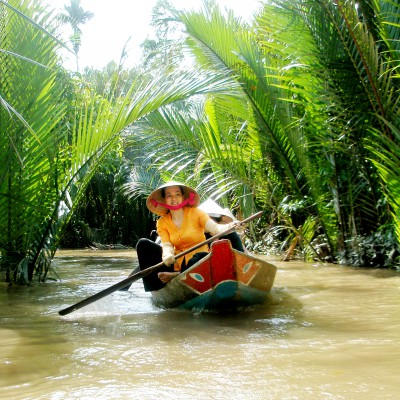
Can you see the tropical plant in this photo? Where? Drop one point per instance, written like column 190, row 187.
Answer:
column 34, row 145
column 75, row 16
column 164, row 49
column 105, row 217
column 56, row 132
column 236, row 147
column 348, row 90
column 319, row 100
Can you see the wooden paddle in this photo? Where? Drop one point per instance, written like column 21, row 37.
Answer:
column 126, row 288
column 132, row 278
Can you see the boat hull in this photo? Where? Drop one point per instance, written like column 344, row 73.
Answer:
column 224, row 279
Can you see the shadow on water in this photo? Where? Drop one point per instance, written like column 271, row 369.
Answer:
column 275, row 318
column 130, row 313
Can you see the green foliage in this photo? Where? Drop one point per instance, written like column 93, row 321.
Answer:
column 57, row 131
column 378, row 250
column 32, row 159
column 105, row 215
column 315, row 101
column 75, row 16
column 297, row 114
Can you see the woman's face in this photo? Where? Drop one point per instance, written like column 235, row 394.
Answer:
column 173, row 195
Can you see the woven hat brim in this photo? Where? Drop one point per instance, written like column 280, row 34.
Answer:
column 157, row 196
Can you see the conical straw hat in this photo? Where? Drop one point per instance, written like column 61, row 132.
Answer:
column 156, row 197
column 215, row 210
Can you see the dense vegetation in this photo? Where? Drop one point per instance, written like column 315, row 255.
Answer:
column 297, row 115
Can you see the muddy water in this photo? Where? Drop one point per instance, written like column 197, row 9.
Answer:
column 326, row 332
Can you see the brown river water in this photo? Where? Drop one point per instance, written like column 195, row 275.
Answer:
column 326, row 332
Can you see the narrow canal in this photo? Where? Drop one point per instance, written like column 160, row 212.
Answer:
column 326, row 332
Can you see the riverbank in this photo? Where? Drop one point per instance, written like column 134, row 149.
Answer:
column 128, row 252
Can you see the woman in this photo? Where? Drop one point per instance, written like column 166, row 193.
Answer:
column 182, row 225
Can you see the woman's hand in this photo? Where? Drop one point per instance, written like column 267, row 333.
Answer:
column 168, row 256
column 239, row 227
column 168, row 259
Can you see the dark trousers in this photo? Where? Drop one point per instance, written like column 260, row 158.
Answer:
column 150, row 253
column 235, row 240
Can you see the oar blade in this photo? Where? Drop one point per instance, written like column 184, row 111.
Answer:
column 119, row 285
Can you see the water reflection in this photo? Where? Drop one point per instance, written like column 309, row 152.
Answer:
column 325, row 332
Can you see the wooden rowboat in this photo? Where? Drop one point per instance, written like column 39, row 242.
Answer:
column 224, row 279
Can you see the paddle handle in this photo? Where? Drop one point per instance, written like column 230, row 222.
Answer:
column 147, row 271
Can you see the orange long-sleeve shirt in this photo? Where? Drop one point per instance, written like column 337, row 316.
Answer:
column 188, row 235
